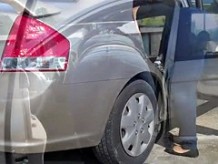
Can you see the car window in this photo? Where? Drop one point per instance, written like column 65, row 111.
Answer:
column 210, row 5
column 207, row 5
column 205, row 27
column 201, row 35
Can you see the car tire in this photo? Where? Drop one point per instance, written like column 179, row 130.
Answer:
column 131, row 129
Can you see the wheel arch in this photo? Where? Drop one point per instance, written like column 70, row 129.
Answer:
column 150, row 78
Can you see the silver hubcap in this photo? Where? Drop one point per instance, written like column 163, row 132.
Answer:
column 137, row 124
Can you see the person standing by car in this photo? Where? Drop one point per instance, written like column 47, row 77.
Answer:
column 182, row 84
column 186, row 73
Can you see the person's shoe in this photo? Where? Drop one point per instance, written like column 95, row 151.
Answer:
column 183, row 150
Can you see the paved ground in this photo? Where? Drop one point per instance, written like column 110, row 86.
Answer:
column 208, row 148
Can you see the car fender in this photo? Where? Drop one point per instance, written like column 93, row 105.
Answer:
column 108, row 62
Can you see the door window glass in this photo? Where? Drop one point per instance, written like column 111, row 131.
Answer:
column 210, row 5
column 205, row 27
column 201, row 35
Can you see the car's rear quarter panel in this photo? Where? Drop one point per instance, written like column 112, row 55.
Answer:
column 72, row 106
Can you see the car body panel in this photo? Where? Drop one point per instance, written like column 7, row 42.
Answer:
column 56, row 102
column 65, row 110
column 68, row 96
column 36, row 8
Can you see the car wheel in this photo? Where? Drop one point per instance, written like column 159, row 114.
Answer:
column 131, row 129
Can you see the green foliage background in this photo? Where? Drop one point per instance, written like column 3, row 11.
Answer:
column 152, row 22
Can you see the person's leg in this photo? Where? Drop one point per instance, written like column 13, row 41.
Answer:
column 183, row 103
